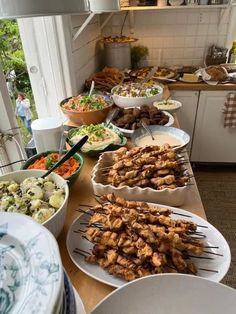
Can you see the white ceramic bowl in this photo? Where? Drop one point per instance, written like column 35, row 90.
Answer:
column 173, row 197
column 56, row 222
column 170, row 132
column 172, row 105
column 129, row 102
column 129, row 133
column 169, row 293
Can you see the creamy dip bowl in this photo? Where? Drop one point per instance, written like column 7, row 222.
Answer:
column 162, row 135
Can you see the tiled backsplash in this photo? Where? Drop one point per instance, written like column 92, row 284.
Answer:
column 174, row 37
column 85, row 49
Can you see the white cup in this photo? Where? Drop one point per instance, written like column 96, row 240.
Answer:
column 47, row 133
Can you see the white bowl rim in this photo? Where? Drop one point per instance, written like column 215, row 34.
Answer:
column 164, row 129
column 65, row 186
column 137, row 98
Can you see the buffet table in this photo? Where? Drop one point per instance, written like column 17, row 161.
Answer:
column 81, row 192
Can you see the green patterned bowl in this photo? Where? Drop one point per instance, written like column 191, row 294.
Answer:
column 71, row 179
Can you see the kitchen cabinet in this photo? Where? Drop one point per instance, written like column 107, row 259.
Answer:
column 212, row 142
column 187, row 114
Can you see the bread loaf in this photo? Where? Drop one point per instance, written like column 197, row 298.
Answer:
column 217, row 73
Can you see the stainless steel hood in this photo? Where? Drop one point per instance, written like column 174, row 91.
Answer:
column 32, row 8
column 100, row 6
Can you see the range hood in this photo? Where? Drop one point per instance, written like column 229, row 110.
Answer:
column 100, row 6
column 32, row 8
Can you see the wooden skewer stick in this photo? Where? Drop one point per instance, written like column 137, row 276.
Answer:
column 184, row 215
column 210, row 270
column 202, row 226
column 79, row 231
column 213, row 253
column 84, row 212
column 201, row 257
column 79, row 253
column 198, row 237
column 80, row 250
column 211, row 247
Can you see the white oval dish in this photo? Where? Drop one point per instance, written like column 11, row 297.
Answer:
column 128, row 133
column 56, row 222
column 169, row 293
column 173, row 197
column 31, row 269
column 131, row 102
column 171, row 106
column 213, row 238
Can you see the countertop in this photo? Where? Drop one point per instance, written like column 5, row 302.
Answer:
column 200, row 86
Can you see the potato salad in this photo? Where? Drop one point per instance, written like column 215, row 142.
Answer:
column 36, row 197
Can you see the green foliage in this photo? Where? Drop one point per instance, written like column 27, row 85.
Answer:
column 12, row 56
column 137, row 53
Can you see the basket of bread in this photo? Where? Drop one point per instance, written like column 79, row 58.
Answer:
column 106, row 79
column 216, row 73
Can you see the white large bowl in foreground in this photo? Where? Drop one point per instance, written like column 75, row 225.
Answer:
column 56, row 222
column 169, row 293
column 129, row 102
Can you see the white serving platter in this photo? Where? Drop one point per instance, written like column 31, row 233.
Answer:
column 169, row 293
column 213, row 239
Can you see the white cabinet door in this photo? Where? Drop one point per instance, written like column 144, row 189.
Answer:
column 187, row 114
column 212, row 142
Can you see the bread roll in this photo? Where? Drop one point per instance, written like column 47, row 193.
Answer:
column 217, row 73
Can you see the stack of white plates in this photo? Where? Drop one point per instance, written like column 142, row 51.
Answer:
column 32, row 279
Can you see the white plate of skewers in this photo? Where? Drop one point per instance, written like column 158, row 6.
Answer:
column 213, row 263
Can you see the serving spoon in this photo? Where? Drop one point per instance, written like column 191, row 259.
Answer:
column 70, row 153
column 145, row 126
column 91, row 88
column 112, row 114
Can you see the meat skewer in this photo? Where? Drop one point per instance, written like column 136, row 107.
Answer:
column 132, row 239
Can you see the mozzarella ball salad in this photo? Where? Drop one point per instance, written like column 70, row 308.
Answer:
column 86, row 103
column 136, row 90
column 36, row 197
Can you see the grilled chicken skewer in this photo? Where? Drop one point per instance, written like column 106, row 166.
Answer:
column 132, row 239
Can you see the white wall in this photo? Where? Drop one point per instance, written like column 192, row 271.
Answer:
column 86, row 49
column 182, row 37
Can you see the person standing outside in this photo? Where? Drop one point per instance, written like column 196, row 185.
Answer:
column 23, row 111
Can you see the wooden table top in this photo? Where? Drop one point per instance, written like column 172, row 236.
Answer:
column 90, row 290
column 81, row 192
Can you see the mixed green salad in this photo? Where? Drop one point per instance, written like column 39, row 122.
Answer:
column 136, row 90
column 86, row 103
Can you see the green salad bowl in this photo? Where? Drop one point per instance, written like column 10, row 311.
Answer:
column 71, row 179
column 102, row 148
